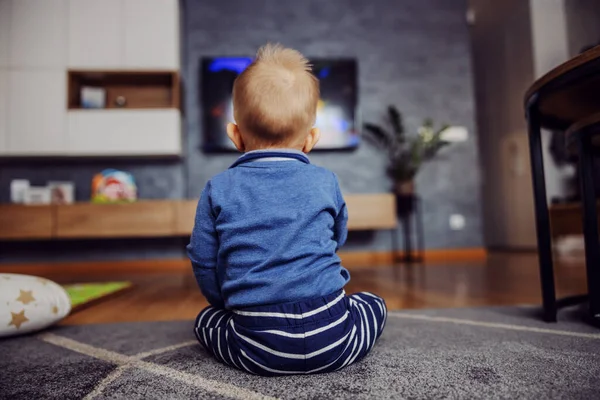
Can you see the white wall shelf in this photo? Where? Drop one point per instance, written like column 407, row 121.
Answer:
column 36, row 113
column 124, row 132
column 3, row 112
column 151, row 28
column 38, row 34
column 5, row 6
column 96, row 25
column 50, row 48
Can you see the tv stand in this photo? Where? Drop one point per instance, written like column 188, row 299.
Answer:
column 153, row 218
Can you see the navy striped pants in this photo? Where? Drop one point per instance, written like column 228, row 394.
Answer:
column 321, row 335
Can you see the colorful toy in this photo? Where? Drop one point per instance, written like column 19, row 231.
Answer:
column 112, row 186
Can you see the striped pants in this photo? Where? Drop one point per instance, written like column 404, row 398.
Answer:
column 321, row 335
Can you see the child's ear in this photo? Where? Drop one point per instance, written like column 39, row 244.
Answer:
column 311, row 140
column 235, row 136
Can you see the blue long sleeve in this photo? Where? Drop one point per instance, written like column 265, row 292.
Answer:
column 267, row 232
column 203, row 249
column 340, row 228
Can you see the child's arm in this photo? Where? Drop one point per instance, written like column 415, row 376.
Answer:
column 203, row 248
column 340, row 229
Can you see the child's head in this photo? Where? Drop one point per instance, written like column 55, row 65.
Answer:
column 275, row 102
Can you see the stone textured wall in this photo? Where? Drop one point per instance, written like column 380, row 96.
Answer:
column 414, row 54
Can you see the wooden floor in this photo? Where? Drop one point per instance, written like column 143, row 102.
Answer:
column 166, row 290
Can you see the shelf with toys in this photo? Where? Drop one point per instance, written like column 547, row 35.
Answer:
column 151, row 218
column 115, row 212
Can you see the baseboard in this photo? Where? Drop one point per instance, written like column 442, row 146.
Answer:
column 436, row 256
column 99, row 267
column 349, row 259
column 513, row 249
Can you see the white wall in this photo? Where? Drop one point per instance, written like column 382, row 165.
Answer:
column 514, row 43
column 583, row 24
column 550, row 49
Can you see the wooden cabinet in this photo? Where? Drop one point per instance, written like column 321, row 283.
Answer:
column 36, row 119
column 95, row 34
column 185, row 214
column 151, row 34
column 153, row 218
column 141, row 219
column 38, row 33
column 124, row 132
column 371, row 211
column 25, row 222
column 5, row 6
column 3, row 112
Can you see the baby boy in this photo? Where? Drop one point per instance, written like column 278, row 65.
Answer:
column 265, row 237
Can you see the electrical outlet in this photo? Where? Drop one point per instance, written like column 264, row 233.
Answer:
column 457, row 222
column 455, row 134
column 470, row 16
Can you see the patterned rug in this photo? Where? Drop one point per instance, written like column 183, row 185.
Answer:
column 453, row 353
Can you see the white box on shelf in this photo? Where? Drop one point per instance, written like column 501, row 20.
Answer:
column 93, row 97
column 18, row 190
column 62, row 192
column 37, row 195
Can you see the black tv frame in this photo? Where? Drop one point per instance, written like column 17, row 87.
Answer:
column 208, row 149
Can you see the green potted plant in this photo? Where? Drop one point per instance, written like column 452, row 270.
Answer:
column 405, row 154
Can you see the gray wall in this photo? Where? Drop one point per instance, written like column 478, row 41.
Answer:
column 414, row 54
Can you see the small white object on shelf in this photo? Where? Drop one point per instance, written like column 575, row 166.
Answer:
column 61, row 192
column 18, row 189
column 455, row 134
column 93, row 97
column 38, row 195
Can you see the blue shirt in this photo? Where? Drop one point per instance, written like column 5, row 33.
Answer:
column 267, row 230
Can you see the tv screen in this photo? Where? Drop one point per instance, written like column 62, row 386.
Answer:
column 336, row 112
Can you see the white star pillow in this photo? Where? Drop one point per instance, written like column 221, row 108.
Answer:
column 29, row 303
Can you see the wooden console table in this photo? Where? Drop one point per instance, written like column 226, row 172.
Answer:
column 566, row 97
column 153, row 218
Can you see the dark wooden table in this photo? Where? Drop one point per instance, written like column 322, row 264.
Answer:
column 567, row 99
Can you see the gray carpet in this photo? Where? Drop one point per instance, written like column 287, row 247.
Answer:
column 427, row 354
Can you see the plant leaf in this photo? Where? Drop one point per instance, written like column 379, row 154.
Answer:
column 432, row 150
column 396, row 122
column 378, row 135
column 442, row 129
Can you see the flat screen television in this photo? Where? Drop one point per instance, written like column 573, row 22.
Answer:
column 336, row 113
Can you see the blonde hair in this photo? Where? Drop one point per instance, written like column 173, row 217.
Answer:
column 276, row 97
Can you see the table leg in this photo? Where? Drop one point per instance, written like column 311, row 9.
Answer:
column 394, row 234
column 590, row 223
column 420, row 234
column 407, row 234
column 541, row 214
